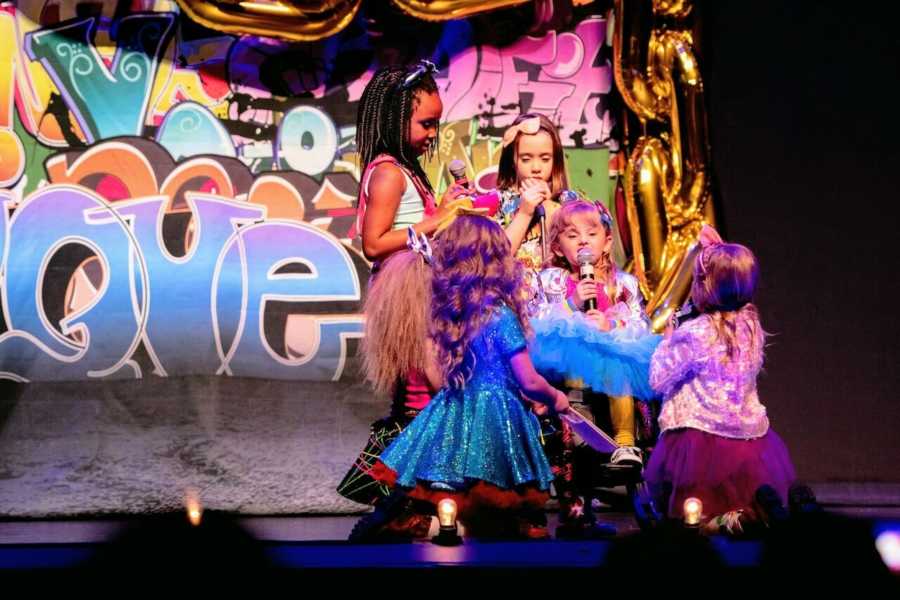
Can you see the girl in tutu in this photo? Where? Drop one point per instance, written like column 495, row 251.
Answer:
column 591, row 334
column 716, row 444
column 476, row 441
column 593, row 329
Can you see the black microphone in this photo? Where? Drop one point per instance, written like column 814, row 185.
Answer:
column 687, row 312
column 542, row 215
column 586, row 260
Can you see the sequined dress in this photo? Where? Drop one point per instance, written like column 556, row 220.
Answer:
column 480, row 440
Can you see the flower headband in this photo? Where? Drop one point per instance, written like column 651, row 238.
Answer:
column 529, row 126
column 709, row 239
column 424, row 66
column 418, row 243
column 567, row 196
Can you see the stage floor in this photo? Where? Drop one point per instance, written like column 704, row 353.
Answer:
column 315, row 543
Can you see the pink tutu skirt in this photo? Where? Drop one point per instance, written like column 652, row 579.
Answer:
column 724, row 473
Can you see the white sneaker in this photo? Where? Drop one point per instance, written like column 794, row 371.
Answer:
column 625, row 455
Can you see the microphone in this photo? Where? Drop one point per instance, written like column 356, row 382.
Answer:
column 687, row 312
column 542, row 215
column 489, row 201
column 457, row 168
column 586, row 260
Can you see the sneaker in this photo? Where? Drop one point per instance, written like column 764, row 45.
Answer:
column 770, row 504
column 585, row 530
column 802, row 500
column 627, row 455
column 369, row 526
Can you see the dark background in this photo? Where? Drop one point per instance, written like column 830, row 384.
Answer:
column 802, row 102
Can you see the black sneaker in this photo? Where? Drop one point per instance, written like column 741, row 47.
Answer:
column 771, row 505
column 369, row 526
column 802, row 500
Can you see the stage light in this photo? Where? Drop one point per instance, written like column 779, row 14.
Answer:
column 888, row 545
column 447, row 534
column 693, row 508
column 193, row 507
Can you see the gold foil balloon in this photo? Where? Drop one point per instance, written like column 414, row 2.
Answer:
column 672, row 8
column 310, row 20
column 666, row 182
column 444, row 10
column 295, row 20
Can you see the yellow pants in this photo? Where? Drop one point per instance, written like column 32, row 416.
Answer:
column 621, row 413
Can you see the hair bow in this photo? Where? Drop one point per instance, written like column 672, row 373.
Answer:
column 567, row 196
column 529, row 126
column 709, row 238
column 424, row 66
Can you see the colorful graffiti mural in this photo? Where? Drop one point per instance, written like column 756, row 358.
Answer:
column 179, row 201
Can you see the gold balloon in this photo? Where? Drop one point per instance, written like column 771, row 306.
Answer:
column 444, row 10
column 666, row 183
column 310, row 20
column 294, row 20
column 673, row 8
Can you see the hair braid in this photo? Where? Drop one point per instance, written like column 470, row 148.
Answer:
column 383, row 118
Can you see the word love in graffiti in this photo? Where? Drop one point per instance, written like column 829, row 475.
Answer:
column 199, row 313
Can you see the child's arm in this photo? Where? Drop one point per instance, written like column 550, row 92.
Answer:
column 386, row 186
column 532, row 195
column 534, row 385
column 672, row 361
column 432, row 373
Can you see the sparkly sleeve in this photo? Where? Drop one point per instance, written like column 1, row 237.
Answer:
column 508, row 336
column 672, row 362
column 634, row 319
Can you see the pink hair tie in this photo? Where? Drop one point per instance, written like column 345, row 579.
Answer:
column 529, row 126
column 709, row 238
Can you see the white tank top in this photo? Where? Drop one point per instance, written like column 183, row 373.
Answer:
column 412, row 207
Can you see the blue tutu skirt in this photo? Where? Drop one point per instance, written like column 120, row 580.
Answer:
column 571, row 347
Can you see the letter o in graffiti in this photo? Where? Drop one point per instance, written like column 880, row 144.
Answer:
column 307, row 140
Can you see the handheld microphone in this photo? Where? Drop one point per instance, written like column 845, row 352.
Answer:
column 489, row 201
column 542, row 215
column 457, row 168
column 586, row 260
column 687, row 312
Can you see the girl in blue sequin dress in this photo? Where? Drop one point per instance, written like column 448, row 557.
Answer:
column 476, row 441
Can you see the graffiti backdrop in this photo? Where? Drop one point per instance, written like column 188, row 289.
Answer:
column 179, row 201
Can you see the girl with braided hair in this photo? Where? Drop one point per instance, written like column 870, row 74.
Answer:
column 397, row 122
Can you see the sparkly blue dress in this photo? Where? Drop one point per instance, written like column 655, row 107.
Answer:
column 481, row 433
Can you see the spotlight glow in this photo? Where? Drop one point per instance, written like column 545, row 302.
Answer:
column 888, row 545
column 693, row 508
column 446, row 510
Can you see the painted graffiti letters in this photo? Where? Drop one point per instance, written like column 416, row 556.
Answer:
column 182, row 201
column 177, row 306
